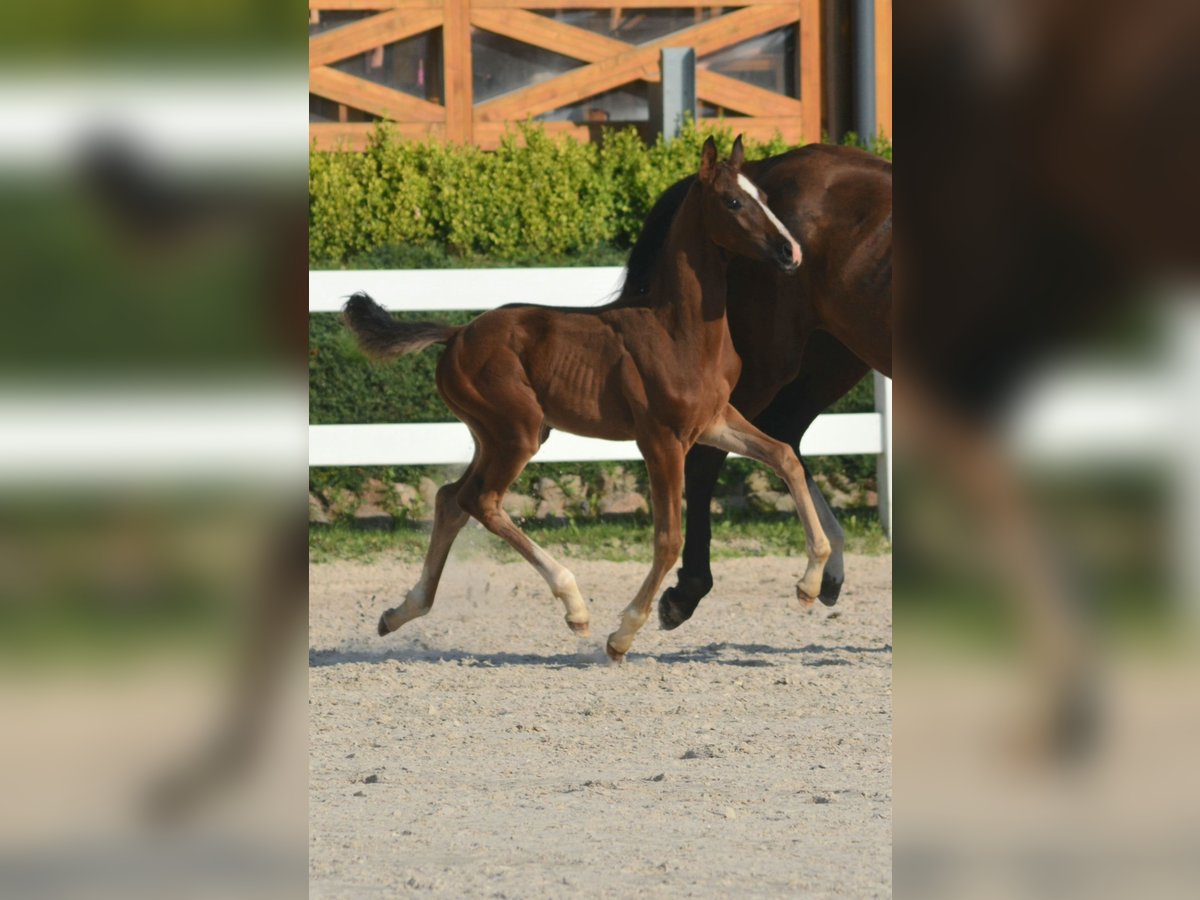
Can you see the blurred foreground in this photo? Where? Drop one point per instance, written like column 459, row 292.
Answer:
column 152, row 436
column 1046, row 570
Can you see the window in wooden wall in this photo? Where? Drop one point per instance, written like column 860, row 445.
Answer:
column 766, row 61
column 412, row 65
column 634, row 26
column 321, row 109
column 500, row 64
column 628, row 103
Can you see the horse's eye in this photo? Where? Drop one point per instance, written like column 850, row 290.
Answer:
column 734, row 203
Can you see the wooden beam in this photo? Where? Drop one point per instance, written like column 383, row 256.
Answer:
column 351, row 5
column 456, row 58
column 634, row 64
column 729, row 93
column 763, row 128
column 488, row 134
column 611, row 4
column 530, row 28
column 371, row 97
column 367, row 34
column 356, row 135
column 810, row 68
column 883, row 67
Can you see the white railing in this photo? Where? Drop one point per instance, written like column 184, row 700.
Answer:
column 479, row 289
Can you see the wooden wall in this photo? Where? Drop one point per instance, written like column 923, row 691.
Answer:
column 883, row 67
column 609, row 63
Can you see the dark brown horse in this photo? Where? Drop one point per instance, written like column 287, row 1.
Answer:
column 804, row 341
column 660, row 373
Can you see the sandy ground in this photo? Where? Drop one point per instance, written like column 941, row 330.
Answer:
column 484, row 751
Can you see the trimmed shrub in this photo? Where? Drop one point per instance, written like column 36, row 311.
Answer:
column 533, row 198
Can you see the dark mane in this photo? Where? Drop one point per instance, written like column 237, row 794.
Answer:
column 643, row 258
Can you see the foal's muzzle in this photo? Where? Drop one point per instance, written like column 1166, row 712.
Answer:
column 787, row 254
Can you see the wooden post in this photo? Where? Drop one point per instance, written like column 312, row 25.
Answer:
column 810, row 69
column 883, row 67
column 456, row 55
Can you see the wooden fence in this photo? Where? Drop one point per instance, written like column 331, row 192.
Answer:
column 343, row 31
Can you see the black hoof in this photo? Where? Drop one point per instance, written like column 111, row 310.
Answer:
column 674, row 609
column 383, row 629
column 831, row 588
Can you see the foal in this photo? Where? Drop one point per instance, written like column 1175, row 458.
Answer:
column 660, row 374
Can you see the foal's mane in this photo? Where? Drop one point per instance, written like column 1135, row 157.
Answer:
column 647, row 250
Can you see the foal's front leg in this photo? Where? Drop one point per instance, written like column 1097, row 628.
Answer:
column 664, row 463
column 730, row 431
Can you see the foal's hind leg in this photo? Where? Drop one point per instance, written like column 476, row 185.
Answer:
column 448, row 520
column 481, row 496
column 732, row 432
column 664, row 464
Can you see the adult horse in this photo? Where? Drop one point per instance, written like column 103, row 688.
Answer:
column 660, row 373
column 804, row 341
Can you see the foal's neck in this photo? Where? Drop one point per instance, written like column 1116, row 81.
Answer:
column 691, row 279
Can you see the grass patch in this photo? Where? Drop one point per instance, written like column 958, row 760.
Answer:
column 609, row 540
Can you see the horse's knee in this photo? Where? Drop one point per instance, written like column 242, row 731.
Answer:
column 447, row 498
column 668, row 544
column 788, row 463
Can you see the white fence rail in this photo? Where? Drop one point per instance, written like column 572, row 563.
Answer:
column 450, row 442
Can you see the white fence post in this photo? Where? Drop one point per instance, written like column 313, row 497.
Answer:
column 883, row 467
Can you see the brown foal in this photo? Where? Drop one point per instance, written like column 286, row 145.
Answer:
column 660, row 374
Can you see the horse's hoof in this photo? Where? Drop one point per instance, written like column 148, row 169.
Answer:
column 612, row 652
column 831, row 589
column 806, row 602
column 581, row 629
column 383, row 626
column 673, row 612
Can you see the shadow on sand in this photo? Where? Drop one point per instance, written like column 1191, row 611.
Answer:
column 746, row 655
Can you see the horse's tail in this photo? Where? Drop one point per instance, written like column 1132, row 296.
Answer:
column 382, row 337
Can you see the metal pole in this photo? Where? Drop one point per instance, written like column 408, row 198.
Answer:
column 677, row 96
column 864, row 69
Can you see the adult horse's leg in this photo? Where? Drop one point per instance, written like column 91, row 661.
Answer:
column 733, row 433
column 448, row 520
column 701, row 468
column 828, row 372
column 664, row 465
column 499, row 465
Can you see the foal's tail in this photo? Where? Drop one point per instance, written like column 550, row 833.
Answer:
column 381, row 336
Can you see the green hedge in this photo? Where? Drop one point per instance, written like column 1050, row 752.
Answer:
column 535, row 199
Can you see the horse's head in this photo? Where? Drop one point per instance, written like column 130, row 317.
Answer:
column 736, row 215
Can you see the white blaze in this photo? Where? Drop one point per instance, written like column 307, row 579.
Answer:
column 750, row 188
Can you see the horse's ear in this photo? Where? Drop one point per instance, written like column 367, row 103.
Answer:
column 708, row 160
column 737, row 156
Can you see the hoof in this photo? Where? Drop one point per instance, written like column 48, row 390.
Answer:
column 383, row 626
column 612, row 652
column 806, row 602
column 673, row 610
column 831, row 589
column 581, row 629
